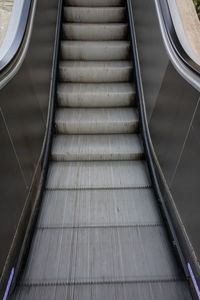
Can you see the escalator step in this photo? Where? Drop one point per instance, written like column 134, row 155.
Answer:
column 160, row 290
column 96, row 94
column 95, row 71
column 97, row 147
column 95, row 50
column 100, row 255
column 94, row 32
column 96, row 120
column 94, row 14
column 94, row 3
column 113, row 207
column 98, row 175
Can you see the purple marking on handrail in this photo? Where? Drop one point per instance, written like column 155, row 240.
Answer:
column 194, row 280
column 8, row 285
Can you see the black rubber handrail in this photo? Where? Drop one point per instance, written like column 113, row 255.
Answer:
column 147, row 141
column 169, row 26
column 15, row 46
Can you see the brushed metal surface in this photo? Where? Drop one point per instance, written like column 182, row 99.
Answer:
column 95, row 71
column 100, row 255
column 96, row 94
column 95, row 50
column 90, row 208
column 97, row 174
column 96, row 120
column 94, row 14
column 97, row 147
column 95, row 32
column 177, row 290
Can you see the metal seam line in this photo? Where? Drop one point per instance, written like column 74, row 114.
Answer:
column 183, row 147
column 22, row 173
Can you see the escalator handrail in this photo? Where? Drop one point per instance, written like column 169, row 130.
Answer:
column 178, row 48
column 13, row 49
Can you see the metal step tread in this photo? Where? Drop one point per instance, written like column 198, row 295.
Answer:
column 112, row 207
column 160, row 290
column 95, row 71
column 94, row 14
column 95, row 3
column 94, row 32
column 98, row 175
column 117, row 254
column 97, row 147
column 96, row 94
column 95, row 50
column 96, row 120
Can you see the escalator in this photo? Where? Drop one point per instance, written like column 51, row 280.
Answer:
column 100, row 233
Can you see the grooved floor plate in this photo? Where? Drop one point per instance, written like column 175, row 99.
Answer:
column 177, row 290
column 86, row 255
column 94, row 14
column 118, row 207
column 96, row 121
column 96, row 94
column 95, row 71
column 95, row 32
column 97, row 174
column 97, row 147
column 90, row 50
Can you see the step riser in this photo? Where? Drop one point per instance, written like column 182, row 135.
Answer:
column 98, row 100
column 86, row 157
column 96, row 128
column 94, row 32
column 94, row 51
column 94, row 175
column 101, row 147
column 94, row 15
column 95, row 75
column 90, row 3
column 95, row 95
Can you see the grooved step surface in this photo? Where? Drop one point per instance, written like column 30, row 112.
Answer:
column 96, row 121
column 95, row 50
column 95, row 94
column 94, row 32
column 94, row 14
column 93, row 71
column 97, row 174
column 94, row 3
column 167, row 290
column 97, row 147
column 85, row 255
column 113, row 207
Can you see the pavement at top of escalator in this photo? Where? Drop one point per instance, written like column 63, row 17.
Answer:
column 5, row 12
